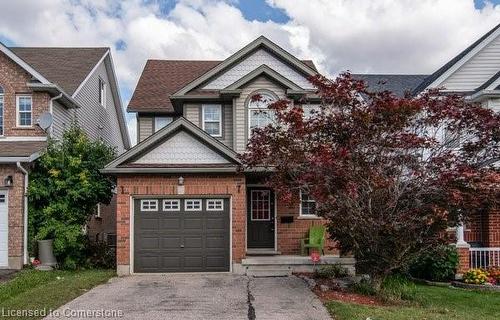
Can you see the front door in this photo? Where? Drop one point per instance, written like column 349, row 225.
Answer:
column 260, row 221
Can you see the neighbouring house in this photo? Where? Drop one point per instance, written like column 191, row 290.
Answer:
column 475, row 74
column 71, row 84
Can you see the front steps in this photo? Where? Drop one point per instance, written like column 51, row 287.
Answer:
column 283, row 266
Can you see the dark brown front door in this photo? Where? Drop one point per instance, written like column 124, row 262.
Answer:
column 260, row 221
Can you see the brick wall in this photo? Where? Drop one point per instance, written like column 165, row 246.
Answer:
column 13, row 79
column 289, row 234
column 99, row 227
column 16, row 218
column 157, row 184
column 484, row 229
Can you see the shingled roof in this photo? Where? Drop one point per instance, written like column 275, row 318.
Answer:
column 21, row 148
column 398, row 84
column 66, row 67
column 161, row 78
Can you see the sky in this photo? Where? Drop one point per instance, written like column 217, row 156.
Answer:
column 364, row 36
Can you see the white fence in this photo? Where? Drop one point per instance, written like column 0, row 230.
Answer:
column 484, row 257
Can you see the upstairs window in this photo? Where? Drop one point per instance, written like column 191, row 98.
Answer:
column 212, row 119
column 307, row 204
column 258, row 114
column 1, row 110
column 161, row 122
column 23, row 110
column 102, row 92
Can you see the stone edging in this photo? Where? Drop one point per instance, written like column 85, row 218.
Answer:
column 481, row 287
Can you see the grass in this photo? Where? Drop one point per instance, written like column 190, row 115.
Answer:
column 430, row 303
column 42, row 290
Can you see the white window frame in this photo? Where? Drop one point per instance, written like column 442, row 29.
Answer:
column 217, row 203
column 268, row 205
column 252, row 108
column 102, row 92
column 301, row 214
column 203, row 121
column 193, row 209
column 172, row 201
column 18, row 113
column 149, row 201
column 2, row 113
column 167, row 119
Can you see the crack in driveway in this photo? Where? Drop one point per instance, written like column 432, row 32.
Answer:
column 250, row 299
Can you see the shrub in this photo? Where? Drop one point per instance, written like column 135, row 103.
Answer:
column 476, row 276
column 364, row 287
column 331, row 271
column 397, row 288
column 494, row 275
column 100, row 255
column 438, row 264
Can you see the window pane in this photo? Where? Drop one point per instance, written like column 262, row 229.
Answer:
column 24, row 118
column 260, row 119
column 24, row 104
column 161, row 122
column 212, row 128
column 212, row 113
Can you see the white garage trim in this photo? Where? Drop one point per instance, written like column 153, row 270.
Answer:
column 4, row 260
column 203, row 197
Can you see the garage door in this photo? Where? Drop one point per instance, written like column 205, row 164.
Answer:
column 181, row 235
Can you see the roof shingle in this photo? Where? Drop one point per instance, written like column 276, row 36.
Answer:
column 66, row 67
column 398, row 84
column 20, row 148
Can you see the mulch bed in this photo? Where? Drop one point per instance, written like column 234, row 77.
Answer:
column 338, row 294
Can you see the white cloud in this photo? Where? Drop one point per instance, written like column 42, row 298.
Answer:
column 359, row 35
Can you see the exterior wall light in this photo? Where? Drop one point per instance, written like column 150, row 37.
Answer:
column 8, row 181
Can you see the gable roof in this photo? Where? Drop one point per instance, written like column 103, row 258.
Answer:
column 398, row 84
column 161, row 79
column 122, row 163
column 436, row 75
column 65, row 67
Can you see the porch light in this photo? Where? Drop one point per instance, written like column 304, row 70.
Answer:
column 181, row 181
column 8, row 181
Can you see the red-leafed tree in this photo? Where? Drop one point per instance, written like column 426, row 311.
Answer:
column 389, row 174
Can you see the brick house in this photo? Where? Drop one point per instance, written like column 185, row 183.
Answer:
column 71, row 84
column 183, row 205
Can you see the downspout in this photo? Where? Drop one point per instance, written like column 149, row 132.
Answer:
column 25, row 226
column 51, row 110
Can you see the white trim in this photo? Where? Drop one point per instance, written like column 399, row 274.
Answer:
column 39, row 138
column 231, row 234
column 269, row 205
column 302, row 215
column 220, row 118
column 90, row 73
column 6, row 193
column 23, row 64
column 177, row 201
column 18, row 112
column 98, row 211
column 436, row 83
column 150, row 201
column 193, row 209
column 215, row 205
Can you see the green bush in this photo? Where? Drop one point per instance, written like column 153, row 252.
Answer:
column 438, row 264
column 65, row 187
column 364, row 287
column 331, row 271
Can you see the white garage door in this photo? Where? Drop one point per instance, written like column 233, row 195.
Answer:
column 4, row 229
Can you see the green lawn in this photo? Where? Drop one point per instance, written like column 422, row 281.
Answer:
column 37, row 290
column 433, row 303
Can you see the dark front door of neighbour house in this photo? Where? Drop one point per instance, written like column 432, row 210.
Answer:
column 260, row 218
column 181, row 234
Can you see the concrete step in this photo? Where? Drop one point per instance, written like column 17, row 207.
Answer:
column 268, row 271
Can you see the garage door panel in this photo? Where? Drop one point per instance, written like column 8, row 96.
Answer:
column 181, row 241
column 193, row 242
column 170, row 242
column 170, row 223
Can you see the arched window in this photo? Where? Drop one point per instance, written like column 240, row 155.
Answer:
column 1, row 110
column 258, row 115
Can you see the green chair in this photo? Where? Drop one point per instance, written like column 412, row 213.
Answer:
column 316, row 240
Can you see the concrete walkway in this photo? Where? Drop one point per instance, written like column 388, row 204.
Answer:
column 198, row 296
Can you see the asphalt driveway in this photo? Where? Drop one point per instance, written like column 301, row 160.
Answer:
column 203, row 296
